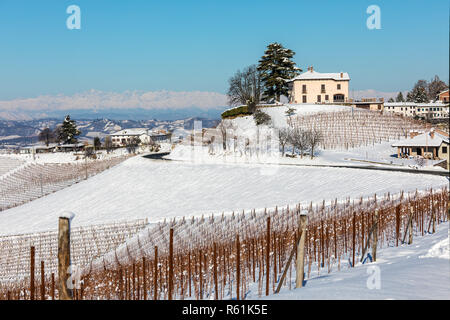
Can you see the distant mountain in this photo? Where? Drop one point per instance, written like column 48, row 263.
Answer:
column 24, row 132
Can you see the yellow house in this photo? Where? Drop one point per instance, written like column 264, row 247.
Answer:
column 316, row 87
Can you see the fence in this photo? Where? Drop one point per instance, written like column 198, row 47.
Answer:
column 350, row 129
column 223, row 256
column 37, row 180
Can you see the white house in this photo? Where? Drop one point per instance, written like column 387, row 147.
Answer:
column 433, row 110
column 123, row 137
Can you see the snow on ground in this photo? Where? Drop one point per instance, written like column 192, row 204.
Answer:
column 407, row 272
column 63, row 157
column 155, row 189
column 379, row 154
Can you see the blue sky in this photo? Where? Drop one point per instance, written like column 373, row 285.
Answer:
column 198, row 45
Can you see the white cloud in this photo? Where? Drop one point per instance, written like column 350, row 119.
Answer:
column 98, row 100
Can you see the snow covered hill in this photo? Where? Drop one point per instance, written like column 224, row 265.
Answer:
column 144, row 188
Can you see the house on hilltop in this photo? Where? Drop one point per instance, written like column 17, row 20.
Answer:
column 316, row 87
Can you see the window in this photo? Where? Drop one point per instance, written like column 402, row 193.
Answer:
column 304, row 88
column 319, row 98
column 444, row 149
column 339, row 87
column 304, row 99
column 326, row 97
column 322, row 88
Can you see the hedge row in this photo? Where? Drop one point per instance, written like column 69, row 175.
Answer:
column 238, row 111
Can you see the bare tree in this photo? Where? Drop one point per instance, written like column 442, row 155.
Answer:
column 314, row 138
column 283, row 137
column 108, row 144
column 224, row 127
column 245, row 88
column 47, row 136
column 299, row 139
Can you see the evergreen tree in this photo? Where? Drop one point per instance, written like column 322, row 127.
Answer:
column 419, row 94
column 276, row 68
column 68, row 131
column 391, row 100
column 400, row 97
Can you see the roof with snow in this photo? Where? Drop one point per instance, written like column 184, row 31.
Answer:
column 415, row 104
column 131, row 132
column 314, row 75
column 422, row 140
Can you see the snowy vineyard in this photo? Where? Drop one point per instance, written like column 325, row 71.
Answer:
column 86, row 243
column 30, row 181
column 351, row 129
column 233, row 256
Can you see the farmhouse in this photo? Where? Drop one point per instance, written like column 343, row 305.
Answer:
column 316, row 87
column 123, row 137
column 431, row 145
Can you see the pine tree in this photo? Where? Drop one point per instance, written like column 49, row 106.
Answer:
column 419, row 94
column 400, row 97
column 391, row 100
column 276, row 68
column 68, row 131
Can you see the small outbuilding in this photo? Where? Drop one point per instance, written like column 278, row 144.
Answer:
column 429, row 145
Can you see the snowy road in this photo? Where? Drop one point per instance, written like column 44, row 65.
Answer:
column 142, row 188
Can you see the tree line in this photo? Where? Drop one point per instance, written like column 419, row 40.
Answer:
column 423, row 91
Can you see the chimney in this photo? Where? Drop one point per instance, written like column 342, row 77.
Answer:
column 342, row 74
column 413, row 134
column 432, row 133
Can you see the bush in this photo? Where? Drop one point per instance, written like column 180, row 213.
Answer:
column 238, row 111
column 261, row 117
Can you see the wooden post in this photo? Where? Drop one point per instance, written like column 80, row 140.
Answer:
column 155, row 276
column 354, row 239
column 397, row 224
column 42, row 281
column 53, row 286
column 32, row 265
column 216, row 285
column 64, row 257
column 171, row 264
column 300, row 263
column 121, row 289
column 144, row 278
column 375, row 236
column 238, row 267
column 268, row 256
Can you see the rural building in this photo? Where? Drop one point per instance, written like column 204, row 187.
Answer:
column 430, row 145
column 316, row 87
column 432, row 111
column 443, row 97
column 123, row 137
column 372, row 104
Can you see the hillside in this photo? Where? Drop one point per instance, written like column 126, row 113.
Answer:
column 26, row 132
column 155, row 189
